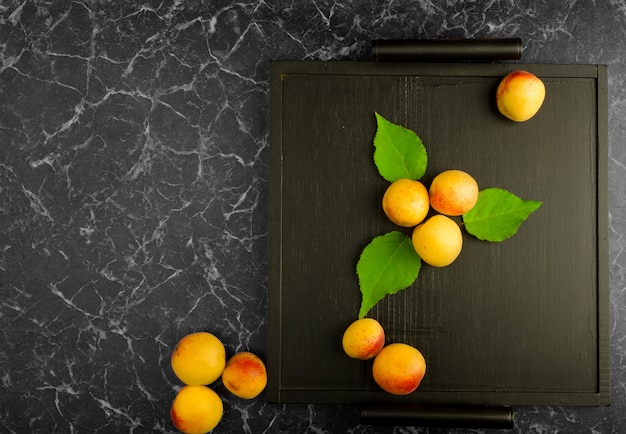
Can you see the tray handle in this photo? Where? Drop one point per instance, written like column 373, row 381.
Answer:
column 478, row 417
column 447, row 50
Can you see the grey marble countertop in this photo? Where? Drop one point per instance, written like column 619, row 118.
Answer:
column 134, row 163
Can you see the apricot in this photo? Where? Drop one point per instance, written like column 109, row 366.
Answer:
column 405, row 202
column 520, row 95
column 453, row 192
column 438, row 241
column 363, row 339
column 245, row 375
column 399, row 368
column 198, row 359
column 196, row 410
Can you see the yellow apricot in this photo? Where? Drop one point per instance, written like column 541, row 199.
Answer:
column 196, row 410
column 199, row 358
column 453, row 192
column 438, row 241
column 399, row 368
column 363, row 339
column 405, row 202
column 245, row 375
column 520, row 95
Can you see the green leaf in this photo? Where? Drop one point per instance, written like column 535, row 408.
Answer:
column 387, row 265
column 497, row 215
column 399, row 152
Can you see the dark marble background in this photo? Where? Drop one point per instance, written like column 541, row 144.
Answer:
column 134, row 160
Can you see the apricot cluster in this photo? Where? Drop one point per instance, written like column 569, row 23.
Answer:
column 437, row 240
column 199, row 360
column 398, row 368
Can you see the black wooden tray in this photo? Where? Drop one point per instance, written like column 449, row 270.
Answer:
column 522, row 322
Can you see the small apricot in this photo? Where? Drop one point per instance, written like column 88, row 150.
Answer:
column 438, row 241
column 245, row 375
column 399, row 368
column 405, row 202
column 453, row 192
column 198, row 359
column 196, row 410
column 363, row 339
column 520, row 95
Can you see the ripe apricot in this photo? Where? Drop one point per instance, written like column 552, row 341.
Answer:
column 363, row 339
column 245, row 375
column 399, row 368
column 196, row 410
column 438, row 241
column 199, row 358
column 453, row 192
column 520, row 95
column 405, row 202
